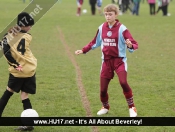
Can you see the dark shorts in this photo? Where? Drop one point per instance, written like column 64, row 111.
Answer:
column 27, row 85
column 112, row 65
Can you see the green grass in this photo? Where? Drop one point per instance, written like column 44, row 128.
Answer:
column 150, row 69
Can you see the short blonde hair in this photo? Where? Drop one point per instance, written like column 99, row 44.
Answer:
column 111, row 7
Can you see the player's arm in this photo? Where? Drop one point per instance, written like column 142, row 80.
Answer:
column 130, row 42
column 9, row 57
column 96, row 42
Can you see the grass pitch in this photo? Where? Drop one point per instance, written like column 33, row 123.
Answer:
column 55, row 38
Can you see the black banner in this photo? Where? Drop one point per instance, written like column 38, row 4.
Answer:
column 87, row 121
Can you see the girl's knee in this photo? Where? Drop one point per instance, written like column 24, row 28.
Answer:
column 10, row 90
column 24, row 95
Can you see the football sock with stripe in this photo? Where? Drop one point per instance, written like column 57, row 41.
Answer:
column 129, row 98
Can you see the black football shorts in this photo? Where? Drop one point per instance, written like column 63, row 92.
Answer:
column 27, row 84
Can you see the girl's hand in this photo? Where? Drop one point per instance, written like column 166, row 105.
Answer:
column 19, row 68
column 77, row 52
column 128, row 43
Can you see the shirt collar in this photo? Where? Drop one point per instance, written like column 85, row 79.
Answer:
column 23, row 31
column 116, row 23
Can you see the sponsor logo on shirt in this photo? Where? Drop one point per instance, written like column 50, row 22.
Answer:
column 109, row 42
column 109, row 33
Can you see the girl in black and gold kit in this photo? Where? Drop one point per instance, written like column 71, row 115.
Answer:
column 22, row 63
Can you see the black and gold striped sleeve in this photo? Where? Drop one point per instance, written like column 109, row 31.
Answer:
column 7, row 54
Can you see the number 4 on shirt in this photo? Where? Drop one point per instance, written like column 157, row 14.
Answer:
column 21, row 46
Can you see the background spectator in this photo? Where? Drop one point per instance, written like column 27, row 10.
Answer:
column 92, row 4
column 165, row 7
column 152, row 6
column 99, row 4
column 79, row 5
column 159, row 3
column 136, row 7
